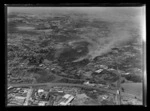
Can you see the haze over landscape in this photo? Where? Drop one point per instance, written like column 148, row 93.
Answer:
column 90, row 47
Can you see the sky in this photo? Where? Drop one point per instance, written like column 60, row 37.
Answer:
column 108, row 13
column 130, row 11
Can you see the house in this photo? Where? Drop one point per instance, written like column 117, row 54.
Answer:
column 18, row 89
column 60, row 91
column 41, row 65
column 42, row 95
column 118, row 92
column 86, row 82
column 98, row 71
column 89, row 84
column 19, row 99
column 17, row 102
column 126, row 73
column 40, row 90
column 9, row 87
column 104, row 67
column 66, row 99
column 53, row 69
column 88, row 74
column 42, row 103
column 105, row 97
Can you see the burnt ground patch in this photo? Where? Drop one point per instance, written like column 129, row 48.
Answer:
column 72, row 53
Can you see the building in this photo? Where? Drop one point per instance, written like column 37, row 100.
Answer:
column 81, row 96
column 60, row 91
column 20, row 94
column 41, row 65
column 42, row 103
column 40, row 90
column 98, row 71
column 66, row 99
column 118, row 92
column 104, row 67
column 20, row 97
column 89, row 84
column 41, row 94
column 103, row 97
column 18, row 100
column 9, row 87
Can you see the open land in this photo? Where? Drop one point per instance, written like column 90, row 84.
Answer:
column 73, row 58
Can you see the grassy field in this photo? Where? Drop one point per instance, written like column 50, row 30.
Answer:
column 133, row 88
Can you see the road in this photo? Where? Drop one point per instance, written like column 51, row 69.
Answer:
column 75, row 85
column 65, row 84
column 28, row 96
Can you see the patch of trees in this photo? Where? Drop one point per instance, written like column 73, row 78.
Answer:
column 106, row 102
column 13, row 48
column 45, row 78
column 35, row 60
column 44, row 43
column 11, row 55
column 64, row 80
column 38, row 71
column 133, row 77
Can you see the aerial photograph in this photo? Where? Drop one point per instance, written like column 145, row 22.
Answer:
column 74, row 56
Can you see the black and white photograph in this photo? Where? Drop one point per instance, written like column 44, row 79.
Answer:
column 75, row 56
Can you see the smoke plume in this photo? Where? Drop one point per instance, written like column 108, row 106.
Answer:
column 119, row 34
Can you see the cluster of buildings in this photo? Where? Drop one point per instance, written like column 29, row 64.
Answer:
column 52, row 96
column 17, row 95
column 44, row 96
column 66, row 99
column 130, row 101
column 39, row 96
